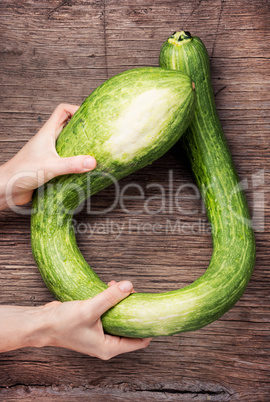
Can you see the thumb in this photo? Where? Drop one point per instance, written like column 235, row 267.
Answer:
column 74, row 164
column 109, row 297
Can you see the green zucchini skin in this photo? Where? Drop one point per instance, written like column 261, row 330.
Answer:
column 126, row 123
column 234, row 249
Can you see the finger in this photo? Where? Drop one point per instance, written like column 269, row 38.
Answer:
column 109, row 297
column 73, row 164
column 115, row 345
column 59, row 117
column 113, row 282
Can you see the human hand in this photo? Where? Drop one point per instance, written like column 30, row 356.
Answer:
column 38, row 162
column 74, row 325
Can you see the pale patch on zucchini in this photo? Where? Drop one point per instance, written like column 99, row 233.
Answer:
column 140, row 123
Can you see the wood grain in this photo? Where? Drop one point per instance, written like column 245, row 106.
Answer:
column 54, row 51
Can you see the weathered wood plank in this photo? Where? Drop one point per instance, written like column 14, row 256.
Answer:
column 62, row 50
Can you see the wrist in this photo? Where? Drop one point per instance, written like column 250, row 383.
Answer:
column 23, row 327
column 38, row 327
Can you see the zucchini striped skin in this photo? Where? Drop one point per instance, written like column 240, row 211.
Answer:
column 233, row 256
column 127, row 123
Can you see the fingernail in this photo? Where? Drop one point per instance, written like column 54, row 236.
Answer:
column 89, row 162
column 125, row 286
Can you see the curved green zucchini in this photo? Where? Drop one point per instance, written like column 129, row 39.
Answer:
column 127, row 123
column 234, row 250
column 67, row 274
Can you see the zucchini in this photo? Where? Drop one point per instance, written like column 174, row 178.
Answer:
column 233, row 258
column 126, row 123
column 60, row 262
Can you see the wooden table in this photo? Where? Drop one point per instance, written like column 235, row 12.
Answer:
column 55, row 51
